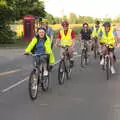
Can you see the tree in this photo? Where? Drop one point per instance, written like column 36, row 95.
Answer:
column 50, row 18
column 6, row 16
column 24, row 7
column 73, row 18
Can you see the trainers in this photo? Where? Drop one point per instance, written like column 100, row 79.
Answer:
column 45, row 73
column 102, row 61
column 34, row 87
column 113, row 70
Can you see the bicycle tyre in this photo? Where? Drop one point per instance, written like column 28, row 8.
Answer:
column 68, row 70
column 95, row 52
column 86, row 57
column 82, row 58
column 107, row 68
column 45, row 83
column 61, row 72
column 33, row 93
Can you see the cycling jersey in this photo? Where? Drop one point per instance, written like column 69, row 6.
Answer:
column 86, row 35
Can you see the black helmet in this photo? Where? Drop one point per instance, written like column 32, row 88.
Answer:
column 106, row 24
column 97, row 22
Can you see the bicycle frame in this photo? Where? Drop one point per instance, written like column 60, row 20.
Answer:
column 39, row 66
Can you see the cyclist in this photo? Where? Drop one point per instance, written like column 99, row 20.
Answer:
column 85, row 36
column 95, row 33
column 66, row 36
column 108, row 36
column 41, row 44
column 49, row 30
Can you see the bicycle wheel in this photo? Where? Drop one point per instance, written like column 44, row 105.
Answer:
column 107, row 68
column 61, row 72
column 95, row 52
column 86, row 57
column 45, row 82
column 82, row 59
column 33, row 84
column 68, row 69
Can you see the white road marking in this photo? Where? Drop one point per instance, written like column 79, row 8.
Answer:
column 14, row 85
column 10, row 72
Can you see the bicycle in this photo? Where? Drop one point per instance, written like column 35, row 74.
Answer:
column 37, row 78
column 84, row 56
column 107, row 62
column 64, row 66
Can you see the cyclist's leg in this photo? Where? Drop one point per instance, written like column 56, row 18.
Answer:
column 44, row 60
column 111, row 52
column 89, row 46
column 93, row 44
column 71, row 50
column 98, row 46
column 82, row 44
column 61, row 52
column 102, row 53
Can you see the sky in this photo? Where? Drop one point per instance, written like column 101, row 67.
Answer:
column 94, row 8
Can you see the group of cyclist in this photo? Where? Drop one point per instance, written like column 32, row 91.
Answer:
column 43, row 41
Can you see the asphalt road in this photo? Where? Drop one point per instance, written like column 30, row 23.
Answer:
column 87, row 96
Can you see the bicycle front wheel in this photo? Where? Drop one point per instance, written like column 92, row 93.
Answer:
column 61, row 73
column 33, row 84
column 95, row 52
column 45, row 82
column 108, row 68
column 68, row 69
column 82, row 58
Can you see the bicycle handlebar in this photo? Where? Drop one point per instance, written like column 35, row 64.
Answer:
column 35, row 54
column 64, row 46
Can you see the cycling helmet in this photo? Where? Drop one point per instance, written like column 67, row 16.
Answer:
column 41, row 28
column 106, row 24
column 64, row 23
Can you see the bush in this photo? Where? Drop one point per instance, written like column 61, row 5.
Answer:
column 7, row 36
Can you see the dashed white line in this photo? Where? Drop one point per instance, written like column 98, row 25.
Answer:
column 14, row 85
column 10, row 72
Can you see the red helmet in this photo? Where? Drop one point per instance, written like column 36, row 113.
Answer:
column 65, row 23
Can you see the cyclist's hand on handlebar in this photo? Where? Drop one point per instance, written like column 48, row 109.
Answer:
column 108, row 45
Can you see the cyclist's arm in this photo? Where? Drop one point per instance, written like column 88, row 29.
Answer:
column 115, row 35
column 114, row 42
column 48, row 46
column 58, row 39
column 80, row 35
column 51, row 33
column 31, row 45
